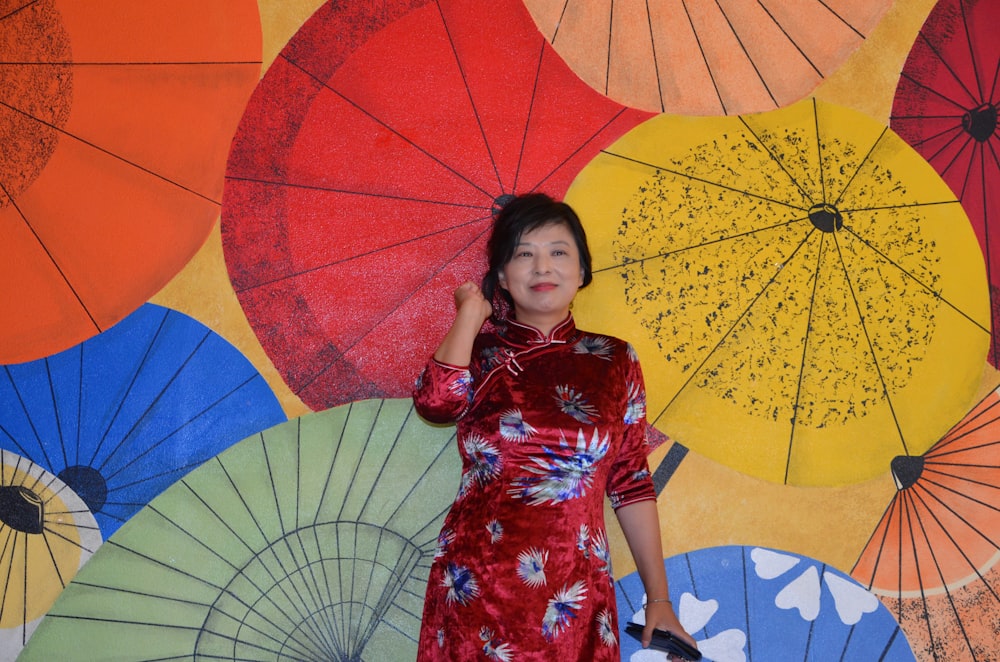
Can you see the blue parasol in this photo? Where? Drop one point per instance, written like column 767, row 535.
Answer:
column 750, row 603
column 123, row 415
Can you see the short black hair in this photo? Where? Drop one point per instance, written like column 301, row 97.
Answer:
column 519, row 215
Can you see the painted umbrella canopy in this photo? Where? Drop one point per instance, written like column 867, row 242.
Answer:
column 753, row 603
column 806, row 294
column 946, row 108
column 365, row 171
column 123, row 415
column 116, row 118
column 933, row 556
column 309, row 541
column 47, row 535
column 706, row 57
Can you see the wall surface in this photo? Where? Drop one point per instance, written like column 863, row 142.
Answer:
column 229, row 232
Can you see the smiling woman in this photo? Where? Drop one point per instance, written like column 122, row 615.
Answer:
column 549, row 419
column 543, row 276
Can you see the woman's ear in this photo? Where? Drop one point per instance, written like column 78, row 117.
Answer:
column 502, row 279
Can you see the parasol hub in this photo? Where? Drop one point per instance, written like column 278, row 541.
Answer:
column 826, row 218
column 980, row 122
column 88, row 483
column 500, row 202
column 21, row 509
column 906, row 470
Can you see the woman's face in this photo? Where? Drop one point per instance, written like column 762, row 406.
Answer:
column 543, row 276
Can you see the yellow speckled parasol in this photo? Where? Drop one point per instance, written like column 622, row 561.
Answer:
column 806, row 294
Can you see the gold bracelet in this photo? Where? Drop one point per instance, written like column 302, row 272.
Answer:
column 649, row 602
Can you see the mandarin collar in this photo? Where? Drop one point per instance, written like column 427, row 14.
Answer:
column 522, row 334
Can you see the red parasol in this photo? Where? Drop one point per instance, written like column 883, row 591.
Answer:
column 946, row 108
column 364, row 172
column 116, row 119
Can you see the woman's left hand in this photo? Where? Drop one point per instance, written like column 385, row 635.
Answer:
column 660, row 615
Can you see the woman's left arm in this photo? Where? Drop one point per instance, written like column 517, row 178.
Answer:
column 640, row 523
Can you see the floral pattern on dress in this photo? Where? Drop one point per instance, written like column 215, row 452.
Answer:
column 487, row 463
column 531, row 566
column 602, row 551
column 606, row 628
column 523, row 565
column 445, row 538
column 513, row 428
column 635, row 410
column 495, row 529
column 558, row 477
column 461, row 584
column 562, row 609
column 575, row 404
column 599, row 346
column 493, row 648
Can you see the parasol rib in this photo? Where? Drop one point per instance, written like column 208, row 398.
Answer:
column 325, row 85
column 51, row 257
column 579, row 149
column 961, row 108
column 562, row 15
column 527, row 125
column 794, row 43
column 936, row 295
column 972, row 53
column 743, row 48
column 729, row 237
column 166, row 437
column 285, row 540
column 121, row 403
column 840, row 18
column 947, row 591
column 31, row 423
column 656, row 61
column 776, row 160
column 472, row 102
column 871, row 348
column 805, row 350
column 297, row 604
column 375, row 324
column 607, row 65
column 704, row 58
column 702, row 180
column 857, row 170
column 107, row 152
column 954, row 159
column 729, row 331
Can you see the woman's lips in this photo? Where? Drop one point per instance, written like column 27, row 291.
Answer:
column 543, row 287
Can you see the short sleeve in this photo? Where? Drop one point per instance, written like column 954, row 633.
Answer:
column 443, row 392
column 630, row 480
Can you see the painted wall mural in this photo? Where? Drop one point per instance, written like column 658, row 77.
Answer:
column 229, row 236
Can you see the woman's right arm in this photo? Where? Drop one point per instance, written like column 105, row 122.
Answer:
column 444, row 390
column 471, row 311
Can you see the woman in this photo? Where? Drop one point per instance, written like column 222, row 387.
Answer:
column 550, row 418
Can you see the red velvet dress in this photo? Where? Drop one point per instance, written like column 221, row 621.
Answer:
column 546, row 427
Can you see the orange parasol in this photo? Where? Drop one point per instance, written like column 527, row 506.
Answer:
column 705, row 57
column 116, row 117
column 934, row 552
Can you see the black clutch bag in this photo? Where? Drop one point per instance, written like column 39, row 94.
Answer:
column 666, row 642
